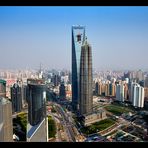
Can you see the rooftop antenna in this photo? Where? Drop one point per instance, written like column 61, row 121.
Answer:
column 40, row 67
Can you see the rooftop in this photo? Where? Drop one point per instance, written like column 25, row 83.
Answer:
column 4, row 101
column 32, row 129
column 2, row 81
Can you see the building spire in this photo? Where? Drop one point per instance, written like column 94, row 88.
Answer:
column 85, row 41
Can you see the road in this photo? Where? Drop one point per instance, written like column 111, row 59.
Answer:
column 58, row 134
column 66, row 121
column 67, row 124
column 116, row 126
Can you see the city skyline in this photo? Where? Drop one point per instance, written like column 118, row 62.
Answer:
column 30, row 35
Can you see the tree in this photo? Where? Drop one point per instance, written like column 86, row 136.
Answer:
column 51, row 127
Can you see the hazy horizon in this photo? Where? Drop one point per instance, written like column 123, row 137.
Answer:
column 33, row 35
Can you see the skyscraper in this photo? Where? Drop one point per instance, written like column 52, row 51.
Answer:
column 2, row 88
column 6, row 127
column 86, row 92
column 56, row 80
column 16, row 97
column 62, row 92
column 24, row 95
column 137, row 95
column 97, row 88
column 37, row 121
column 146, row 81
column 36, row 102
column 120, row 92
column 78, row 37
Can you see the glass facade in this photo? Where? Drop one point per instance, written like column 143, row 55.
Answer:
column 16, row 97
column 78, row 36
column 86, row 92
column 36, row 103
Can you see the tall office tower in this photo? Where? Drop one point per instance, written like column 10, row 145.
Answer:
column 86, row 92
column 62, row 92
column 70, row 77
column 6, row 126
column 78, row 37
column 56, row 80
column 36, row 101
column 138, row 95
column 2, row 88
column 97, row 88
column 16, row 97
column 37, row 127
column 146, row 81
column 24, row 95
column 120, row 92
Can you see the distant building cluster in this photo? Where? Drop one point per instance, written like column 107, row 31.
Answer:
column 129, row 87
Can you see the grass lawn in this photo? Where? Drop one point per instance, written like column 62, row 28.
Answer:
column 117, row 110
column 98, row 126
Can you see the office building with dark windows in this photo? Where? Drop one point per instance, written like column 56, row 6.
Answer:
column 36, row 101
column 37, row 122
column 62, row 92
column 16, row 97
column 82, row 79
column 78, row 37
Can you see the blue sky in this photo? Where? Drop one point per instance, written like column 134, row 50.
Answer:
column 30, row 35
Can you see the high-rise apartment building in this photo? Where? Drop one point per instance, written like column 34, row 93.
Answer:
column 16, row 97
column 78, row 37
column 113, row 89
column 126, row 92
column 6, row 126
column 137, row 95
column 86, row 92
column 120, row 92
column 107, row 89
